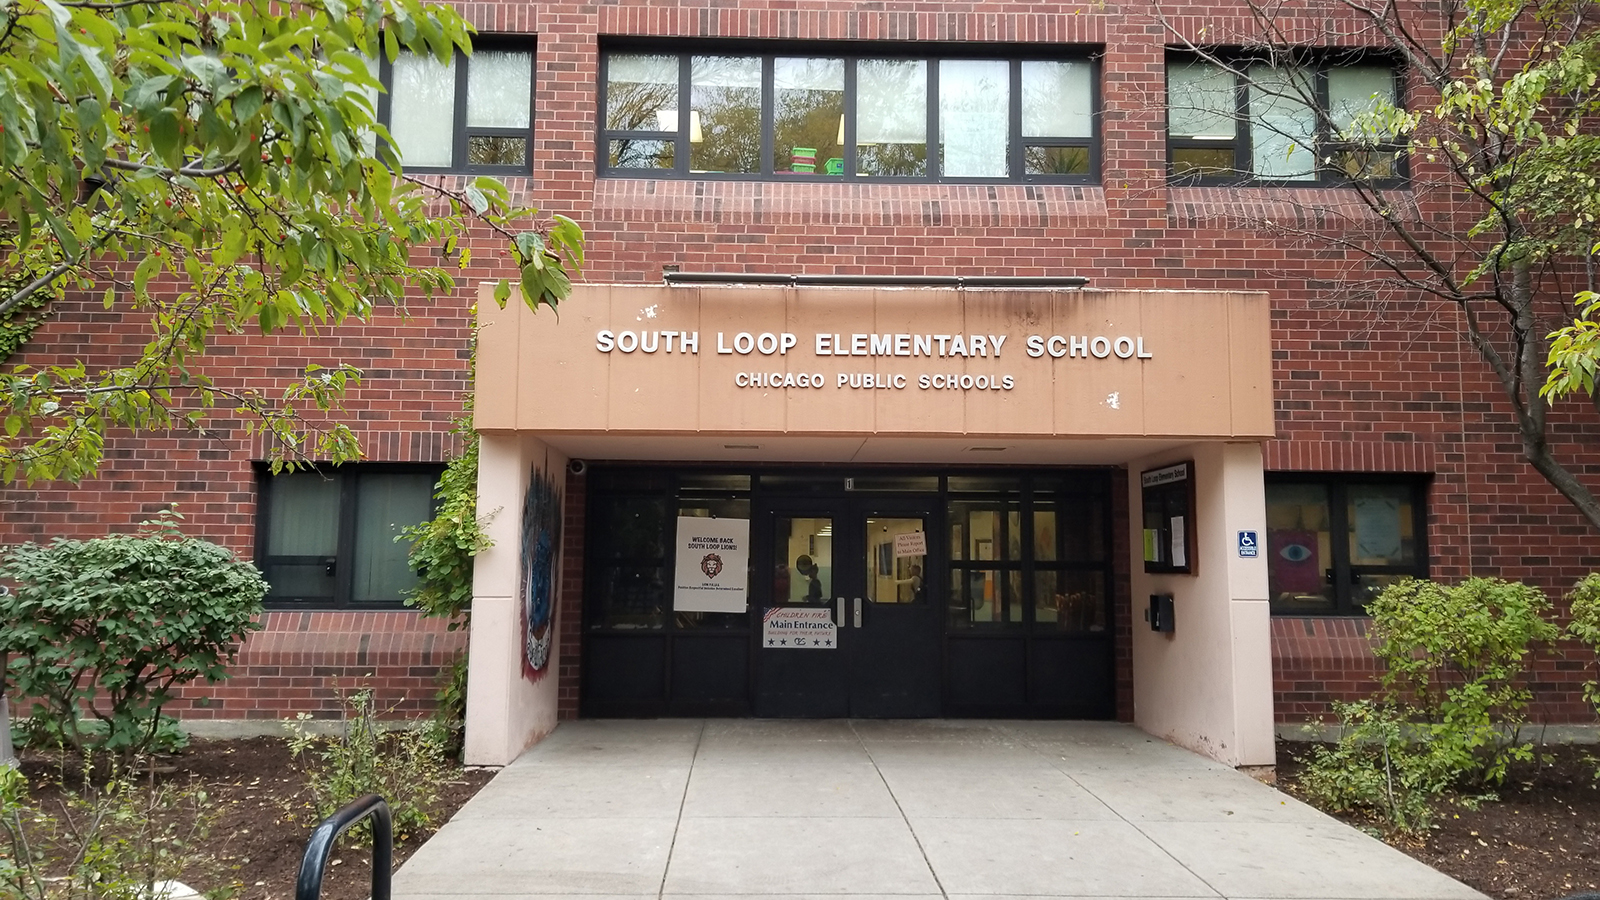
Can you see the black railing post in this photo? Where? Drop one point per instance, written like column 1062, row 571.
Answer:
column 315, row 861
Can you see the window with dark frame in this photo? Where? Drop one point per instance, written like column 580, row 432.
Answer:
column 326, row 539
column 1335, row 541
column 1247, row 121
column 471, row 114
column 827, row 114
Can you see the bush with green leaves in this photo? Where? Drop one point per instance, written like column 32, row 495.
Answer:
column 407, row 767
column 1449, row 703
column 442, row 551
column 1584, row 602
column 115, row 840
column 101, row 631
column 1375, row 766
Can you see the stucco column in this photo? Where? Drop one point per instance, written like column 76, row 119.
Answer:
column 1208, row 685
column 507, row 708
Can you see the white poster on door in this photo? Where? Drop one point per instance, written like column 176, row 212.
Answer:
column 713, row 571
column 799, row 628
column 911, row 543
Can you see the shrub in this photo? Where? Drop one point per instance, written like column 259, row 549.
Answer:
column 114, row 841
column 1584, row 601
column 1449, row 702
column 407, row 767
column 1374, row 766
column 109, row 626
column 1454, row 659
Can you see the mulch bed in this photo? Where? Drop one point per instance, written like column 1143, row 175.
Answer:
column 266, row 816
column 1541, row 841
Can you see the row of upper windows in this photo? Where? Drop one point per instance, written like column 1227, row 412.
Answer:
column 894, row 118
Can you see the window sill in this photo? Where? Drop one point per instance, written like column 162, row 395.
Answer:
column 865, row 203
column 1298, row 206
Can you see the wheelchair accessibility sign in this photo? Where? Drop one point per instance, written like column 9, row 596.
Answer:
column 1249, row 548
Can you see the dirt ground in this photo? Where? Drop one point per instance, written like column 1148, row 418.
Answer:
column 1540, row 841
column 265, row 819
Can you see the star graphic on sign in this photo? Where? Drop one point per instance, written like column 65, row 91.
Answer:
column 783, row 640
column 771, row 641
column 827, row 642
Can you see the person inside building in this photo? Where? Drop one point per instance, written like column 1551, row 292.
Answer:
column 807, row 567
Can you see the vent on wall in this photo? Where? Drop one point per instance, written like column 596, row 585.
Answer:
column 984, row 449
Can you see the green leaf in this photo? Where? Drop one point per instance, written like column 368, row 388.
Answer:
column 165, row 137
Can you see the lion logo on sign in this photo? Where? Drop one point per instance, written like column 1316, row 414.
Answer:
column 711, row 565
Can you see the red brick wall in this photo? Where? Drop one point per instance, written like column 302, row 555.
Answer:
column 305, row 661
column 1364, row 384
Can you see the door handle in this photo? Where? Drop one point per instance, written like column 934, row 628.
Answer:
column 839, row 617
column 858, row 612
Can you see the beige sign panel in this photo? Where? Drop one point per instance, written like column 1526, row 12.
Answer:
column 912, row 362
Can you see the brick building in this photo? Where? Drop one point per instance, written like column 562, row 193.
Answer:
column 902, row 141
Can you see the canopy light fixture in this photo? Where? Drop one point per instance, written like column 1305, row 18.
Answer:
column 984, row 449
column 741, row 446
column 997, row 281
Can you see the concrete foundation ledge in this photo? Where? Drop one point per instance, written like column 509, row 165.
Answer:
column 1313, row 732
column 238, row 729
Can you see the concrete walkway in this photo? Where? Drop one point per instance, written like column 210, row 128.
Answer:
column 721, row 808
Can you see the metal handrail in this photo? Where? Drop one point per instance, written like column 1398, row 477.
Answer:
column 315, row 861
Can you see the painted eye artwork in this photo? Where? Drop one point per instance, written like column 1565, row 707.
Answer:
column 1295, row 553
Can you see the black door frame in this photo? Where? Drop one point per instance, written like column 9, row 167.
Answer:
column 890, row 665
column 643, row 670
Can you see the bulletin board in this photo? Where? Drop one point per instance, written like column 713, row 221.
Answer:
column 1168, row 519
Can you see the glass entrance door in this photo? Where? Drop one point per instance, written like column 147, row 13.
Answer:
column 847, row 623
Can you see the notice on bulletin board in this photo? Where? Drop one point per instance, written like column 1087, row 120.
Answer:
column 713, row 570
column 1179, row 553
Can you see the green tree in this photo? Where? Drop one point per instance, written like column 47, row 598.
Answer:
column 1496, row 126
column 217, row 165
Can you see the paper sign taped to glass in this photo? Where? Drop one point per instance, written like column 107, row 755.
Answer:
column 802, row 628
column 713, row 570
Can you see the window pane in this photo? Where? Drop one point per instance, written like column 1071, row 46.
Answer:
column 1299, row 548
column 1083, row 530
column 1282, row 125
column 892, row 117
column 804, row 551
column 1056, row 99
column 1056, row 160
column 808, row 115
column 499, row 89
column 1354, row 90
column 646, row 154
column 1070, row 601
column 1382, row 525
column 304, row 514
column 985, row 531
column 639, row 90
column 725, row 122
column 628, row 597
column 893, row 575
column 629, row 529
column 386, row 504
column 974, row 106
column 1044, row 530
column 1202, row 160
column 422, row 109
column 488, row 150
column 985, row 597
column 1201, row 101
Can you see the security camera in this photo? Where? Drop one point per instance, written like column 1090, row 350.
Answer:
column 577, row 467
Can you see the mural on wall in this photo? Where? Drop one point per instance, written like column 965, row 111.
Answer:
column 541, row 529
